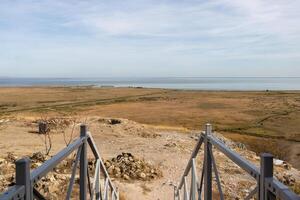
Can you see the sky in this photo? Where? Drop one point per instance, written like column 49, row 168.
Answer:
column 149, row 38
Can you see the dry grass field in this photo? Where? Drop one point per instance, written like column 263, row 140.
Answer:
column 264, row 121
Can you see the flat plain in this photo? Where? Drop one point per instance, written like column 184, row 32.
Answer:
column 265, row 121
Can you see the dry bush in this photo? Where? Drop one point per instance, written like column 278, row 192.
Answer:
column 69, row 138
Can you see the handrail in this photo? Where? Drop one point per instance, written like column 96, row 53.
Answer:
column 14, row 192
column 48, row 165
column 194, row 154
column 235, row 157
column 25, row 180
column 268, row 187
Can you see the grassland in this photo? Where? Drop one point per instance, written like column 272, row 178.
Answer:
column 264, row 121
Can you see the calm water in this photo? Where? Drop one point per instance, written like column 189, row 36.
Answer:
column 173, row 83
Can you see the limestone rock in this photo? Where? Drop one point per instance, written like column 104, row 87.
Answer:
column 128, row 167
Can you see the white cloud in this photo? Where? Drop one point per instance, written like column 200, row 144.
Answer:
column 202, row 31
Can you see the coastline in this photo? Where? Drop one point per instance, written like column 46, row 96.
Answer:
column 185, row 83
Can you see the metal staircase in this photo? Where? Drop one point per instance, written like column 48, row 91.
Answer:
column 102, row 188
column 26, row 179
column 267, row 188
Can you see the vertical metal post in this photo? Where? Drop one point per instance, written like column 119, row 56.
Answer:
column 193, row 181
column 23, row 176
column 83, row 164
column 185, row 187
column 266, row 171
column 175, row 193
column 208, row 164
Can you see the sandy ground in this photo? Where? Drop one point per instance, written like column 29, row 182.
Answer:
column 112, row 141
column 165, row 148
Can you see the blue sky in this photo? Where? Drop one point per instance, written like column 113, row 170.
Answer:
column 93, row 38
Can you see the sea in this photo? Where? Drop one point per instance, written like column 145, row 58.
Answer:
column 187, row 83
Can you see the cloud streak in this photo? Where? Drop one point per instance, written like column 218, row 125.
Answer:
column 143, row 35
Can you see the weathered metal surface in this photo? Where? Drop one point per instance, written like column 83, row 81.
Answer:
column 208, row 165
column 83, row 165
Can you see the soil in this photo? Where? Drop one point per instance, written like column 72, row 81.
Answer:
column 168, row 152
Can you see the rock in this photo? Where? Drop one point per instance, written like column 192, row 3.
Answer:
column 142, row 175
column 278, row 162
column 2, row 161
column 38, row 157
column 286, row 166
column 241, row 146
column 110, row 169
column 52, row 178
column 288, row 179
column 35, row 165
column 125, row 166
column 114, row 121
column 107, row 163
column 11, row 157
column 117, row 170
column 171, row 144
column 126, row 177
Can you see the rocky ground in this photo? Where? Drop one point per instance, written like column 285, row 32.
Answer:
column 145, row 162
column 127, row 167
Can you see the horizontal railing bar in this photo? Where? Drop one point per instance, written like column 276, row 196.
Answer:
column 280, row 190
column 14, row 192
column 235, row 157
column 55, row 160
column 194, row 154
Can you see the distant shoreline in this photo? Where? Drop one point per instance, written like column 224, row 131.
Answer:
column 180, row 83
column 146, row 88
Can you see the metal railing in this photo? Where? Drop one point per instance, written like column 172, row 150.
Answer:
column 26, row 179
column 267, row 188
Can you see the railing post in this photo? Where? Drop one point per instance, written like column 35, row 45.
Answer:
column 185, row 188
column 266, row 171
column 23, row 176
column 208, row 164
column 83, row 164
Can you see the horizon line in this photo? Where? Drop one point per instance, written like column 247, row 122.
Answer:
column 60, row 77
